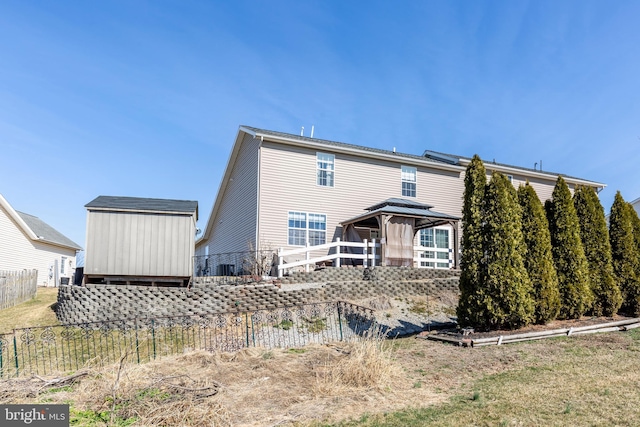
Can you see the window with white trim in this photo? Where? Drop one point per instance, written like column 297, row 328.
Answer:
column 438, row 239
column 303, row 226
column 325, row 169
column 409, row 175
column 63, row 261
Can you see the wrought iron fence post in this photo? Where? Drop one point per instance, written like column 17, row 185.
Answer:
column 15, row 352
column 340, row 319
column 135, row 321
column 246, row 322
column 253, row 332
column 1, row 361
column 153, row 337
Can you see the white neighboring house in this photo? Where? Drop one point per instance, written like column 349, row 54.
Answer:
column 27, row 242
column 636, row 205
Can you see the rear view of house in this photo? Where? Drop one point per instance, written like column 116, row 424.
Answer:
column 285, row 191
column 133, row 240
column 27, row 242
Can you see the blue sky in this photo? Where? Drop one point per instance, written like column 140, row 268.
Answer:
column 144, row 98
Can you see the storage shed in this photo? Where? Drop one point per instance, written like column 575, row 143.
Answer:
column 140, row 241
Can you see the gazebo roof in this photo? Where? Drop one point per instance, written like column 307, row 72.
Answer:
column 425, row 217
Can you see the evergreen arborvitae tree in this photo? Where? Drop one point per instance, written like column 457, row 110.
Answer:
column 568, row 254
column 475, row 181
column 624, row 253
column 635, row 224
column 538, row 259
column 507, row 292
column 595, row 241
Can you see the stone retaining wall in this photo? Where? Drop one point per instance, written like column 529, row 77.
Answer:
column 90, row 303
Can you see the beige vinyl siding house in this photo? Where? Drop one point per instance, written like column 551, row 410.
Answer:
column 358, row 183
column 27, row 242
column 279, row 189
column 140, row 240
column 236, row 207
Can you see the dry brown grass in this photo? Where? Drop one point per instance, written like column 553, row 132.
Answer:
column 586, row 380
column 253, row 387
column 35, row 312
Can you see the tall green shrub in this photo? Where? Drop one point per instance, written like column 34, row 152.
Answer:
column 635, row 224
column 595, row 241
column 568, row 254
column 538, row 259
column 624, row 253
column 508, row 295
column 469, row 305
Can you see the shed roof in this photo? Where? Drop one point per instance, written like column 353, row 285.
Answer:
column 143, row 204
column 47, row 233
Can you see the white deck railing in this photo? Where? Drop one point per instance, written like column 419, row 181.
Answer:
column 370, row 255
column 418, row 259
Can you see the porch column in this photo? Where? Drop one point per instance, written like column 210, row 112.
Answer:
column 456, row 245
column 383, row 238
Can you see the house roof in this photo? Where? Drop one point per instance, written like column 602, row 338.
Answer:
column 429, row 157
column 36, row 229
column 143, row 204
column 47, row 233
column 342, row 145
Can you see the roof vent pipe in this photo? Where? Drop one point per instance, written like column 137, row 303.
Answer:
column 541, row 164
column 535, row 166
column 302, row 131
column 312, row 131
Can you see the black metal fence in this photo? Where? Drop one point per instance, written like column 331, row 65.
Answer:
column 235, row 267
column 59, row 349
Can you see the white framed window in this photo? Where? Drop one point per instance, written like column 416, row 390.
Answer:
column 438, row 240
column 325, row 164
column 409, row 175
column 63, row 261
column 303, row 226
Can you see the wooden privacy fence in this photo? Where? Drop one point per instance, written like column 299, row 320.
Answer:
column 17, row 287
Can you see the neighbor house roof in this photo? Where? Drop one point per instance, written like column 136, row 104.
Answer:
column 47, row 233
column 36, row 229
column 138, row 204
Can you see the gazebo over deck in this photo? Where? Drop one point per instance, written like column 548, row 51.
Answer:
column 397, row 221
